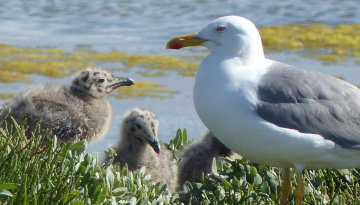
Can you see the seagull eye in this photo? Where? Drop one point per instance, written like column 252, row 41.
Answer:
column 220, row 28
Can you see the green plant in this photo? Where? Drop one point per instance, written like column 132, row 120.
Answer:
column 39, row 170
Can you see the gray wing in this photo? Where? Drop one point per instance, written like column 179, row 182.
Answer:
column 311, row 102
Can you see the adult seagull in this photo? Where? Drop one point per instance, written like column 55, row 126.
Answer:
column 270, row 112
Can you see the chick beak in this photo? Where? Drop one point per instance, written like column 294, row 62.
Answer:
column 155, row 145
column 121, row 81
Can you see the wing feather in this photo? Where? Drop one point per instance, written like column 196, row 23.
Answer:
column 311, row 102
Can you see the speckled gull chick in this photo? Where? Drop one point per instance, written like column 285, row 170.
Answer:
column 198, row 158
column 72, row 113
column 139, row 146
column 270, row 112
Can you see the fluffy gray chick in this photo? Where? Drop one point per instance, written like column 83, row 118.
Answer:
column 198, row 158
column 72, row 113
column 139, row 146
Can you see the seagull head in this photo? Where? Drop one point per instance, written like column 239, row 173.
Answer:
column 96, row 83
column 229, row 35
column 143, row 125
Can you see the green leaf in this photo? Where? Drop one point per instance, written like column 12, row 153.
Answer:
column 258, row 179
column 9, row 186
column 55, row 141
column 133, row 201
column 184, row 136
column 344, row 171
column 4, row 192
column 95, row 194
column 253, row 171
column 214, row 167
column 250, row 187
column 187, row 187
column 119, row 191
column 265, row 188
column 271, row 175
column 225, row 183
column 147, row 177
column 163, row 186
column 348, row 178
column 75, row 192
column 142, row 171
column 174, row 199
column 102, row 195
column 177, row 155
column 109, row 178
column 274, row 183
column 308, row 190
column 85, row 179
column 78, row 147
column 77, row 202
column 110, row 152
column 177, row 140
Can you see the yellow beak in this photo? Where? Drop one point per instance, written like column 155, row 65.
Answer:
column 184, row 41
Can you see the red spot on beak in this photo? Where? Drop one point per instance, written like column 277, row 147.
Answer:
column 175, row 46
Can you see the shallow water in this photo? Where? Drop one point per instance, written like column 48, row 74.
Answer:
column 145, row 27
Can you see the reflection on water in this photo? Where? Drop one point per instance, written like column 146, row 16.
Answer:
column 144, row 28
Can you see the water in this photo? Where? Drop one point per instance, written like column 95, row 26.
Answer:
column 145, row 27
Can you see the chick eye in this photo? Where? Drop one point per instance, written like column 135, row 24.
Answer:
column 101, row 80
column 220, row 28
column 139, row 126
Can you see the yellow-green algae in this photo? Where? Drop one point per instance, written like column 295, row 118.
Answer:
column 188, row 73
column 12, row 77
column 339, row 77
column 149, row 75
column 143, row 89
column 332, row 44
column 51, row 62
column 331, row 58
column 341, row 40
column 144, row 61
column 51, row 69
column 5, row 96
column 17, row 63
column 56, row 63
